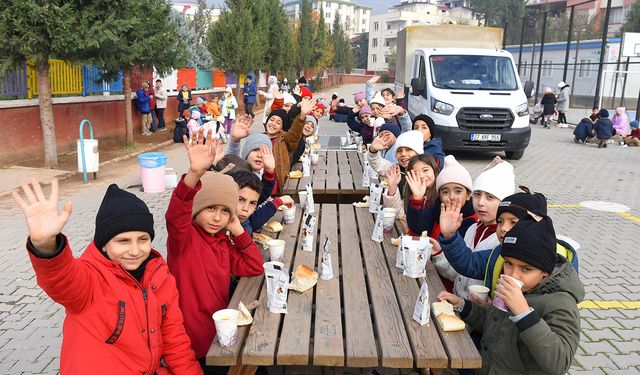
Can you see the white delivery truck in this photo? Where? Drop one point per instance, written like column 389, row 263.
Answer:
column 468, row 85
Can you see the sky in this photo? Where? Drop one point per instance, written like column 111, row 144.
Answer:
column 378, row 6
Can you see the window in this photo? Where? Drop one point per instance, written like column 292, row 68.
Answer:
column 375, row 26
column 364, row 21
column 584, row 68
column 386, row 59
column 422, row 76
column 547, row 69
column 374, row 58
column 388, row 27
column 473, row 72
column 374, row 42
column 387, row 42
column 617, row 15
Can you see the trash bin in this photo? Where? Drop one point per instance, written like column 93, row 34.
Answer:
column 152, row 170
column 91, row 156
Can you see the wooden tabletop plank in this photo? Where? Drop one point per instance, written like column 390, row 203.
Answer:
column 344, row 172
column 295, row 337
column 356, row 169
column 361, row 349
column 333, row 180
column 292, row 184
column 328, row 347
column 392, row 336
column 459, row 346
column 260, row 344
column 425, row 341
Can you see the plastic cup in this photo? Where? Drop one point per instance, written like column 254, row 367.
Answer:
column 344, row 141
column 289, row 214
column 388, row 221
column 499, row 303
column 479, row 291
column 307, row 243
column 302, row 198
column 315, row 159
column 226, row 322
column 276, row 250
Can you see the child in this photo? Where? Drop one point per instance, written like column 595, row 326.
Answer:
column 595, row 114
column 603, row 128
column 360, row 99
column 432, row 146
column 540, row 332
column 634, row 138
column 200, row 255
column 421, row 175
column 364, row 126
column 228, row 112
column 491, row 186
column 549, row 106
column 453, row 184
column 118, row 270
column 583, row 131
column 620, row 124
column 308, row 130
column 333, row 105
column 392, row 131
column 408, row 145
column 193, row 124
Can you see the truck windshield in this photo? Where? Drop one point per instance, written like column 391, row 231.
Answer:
column 472, row 72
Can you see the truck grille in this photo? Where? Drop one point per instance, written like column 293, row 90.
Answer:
column 484, row 118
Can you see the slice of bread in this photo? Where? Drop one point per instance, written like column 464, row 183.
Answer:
column 273, row 227
column 245, row 317
column 450, row 323
column 443, row 307
column 296, row 174
column 260, row 238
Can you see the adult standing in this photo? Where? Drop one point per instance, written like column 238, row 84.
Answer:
column 250, row 92
column 563, row 104
column 161, row 104
column 152, row 106
column 270, row 95
column 184, row 98
column 143, row 98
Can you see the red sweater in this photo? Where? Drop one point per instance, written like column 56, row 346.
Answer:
column 202, row 265
column 114, row 324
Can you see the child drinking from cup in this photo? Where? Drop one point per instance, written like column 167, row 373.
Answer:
column 121, row 303
column 540, row 331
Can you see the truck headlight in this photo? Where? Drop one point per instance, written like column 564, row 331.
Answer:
column 523, row 109
column 441, row 107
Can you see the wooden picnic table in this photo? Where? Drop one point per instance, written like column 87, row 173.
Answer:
column 338, row 172
column 360, row 318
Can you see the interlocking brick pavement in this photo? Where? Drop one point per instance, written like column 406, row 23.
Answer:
column 567, row 173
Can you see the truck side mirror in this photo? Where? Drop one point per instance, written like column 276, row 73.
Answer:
column 416, row 87
column 528, row 89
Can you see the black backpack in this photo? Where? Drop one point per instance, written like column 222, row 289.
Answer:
column 180, row 130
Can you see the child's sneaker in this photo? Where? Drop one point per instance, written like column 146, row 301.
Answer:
column 576, row 140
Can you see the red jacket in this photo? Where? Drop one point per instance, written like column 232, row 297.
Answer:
column 202, row 265
column 113, row 324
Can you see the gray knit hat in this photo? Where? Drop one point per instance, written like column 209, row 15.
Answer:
column 253, row 142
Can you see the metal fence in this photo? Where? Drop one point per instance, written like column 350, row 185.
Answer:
column 92, row 82
column 65, row 78
column 14, row 83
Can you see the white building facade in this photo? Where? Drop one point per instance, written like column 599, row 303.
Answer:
column 354, row 18
column 384, row 27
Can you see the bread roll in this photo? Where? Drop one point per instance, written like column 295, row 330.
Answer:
column 245, row 317
column 261, row 238
column 296, row 174
column 443, row 307
column 395, row 241
column 304, row 278
column 450, row 323
column 273, row 227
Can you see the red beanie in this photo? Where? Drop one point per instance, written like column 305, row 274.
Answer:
column 305, row 92
column 320, row 105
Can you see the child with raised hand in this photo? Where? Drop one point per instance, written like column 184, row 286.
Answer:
column 421, row 175
column 539, row 333
column 495, row 183
column 114, row 293
column 200, row 255
column 432, row 146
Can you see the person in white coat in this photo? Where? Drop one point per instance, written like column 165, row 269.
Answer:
column 270, row 95
column 228, row 109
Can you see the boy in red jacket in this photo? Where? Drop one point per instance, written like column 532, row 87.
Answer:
column 121, row 302
column 200, row 255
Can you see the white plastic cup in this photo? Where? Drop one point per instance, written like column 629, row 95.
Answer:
column 479, row 291
column 302, row 197
column 389, row 210
column 289, row 214
column 315, row 159
column 499, row 303
column 276, row 250
column 226, row 322
column 388, row 221
column 344, row 141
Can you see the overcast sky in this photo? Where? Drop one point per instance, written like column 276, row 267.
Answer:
column 379, row 6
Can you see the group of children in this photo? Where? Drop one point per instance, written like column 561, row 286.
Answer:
column 598, row 127
column 127, row 317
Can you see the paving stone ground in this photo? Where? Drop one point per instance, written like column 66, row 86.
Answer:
column 567, row 173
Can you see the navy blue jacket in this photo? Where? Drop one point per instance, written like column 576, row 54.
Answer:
column 268, row 182
column 603, row 128
column 424, row 218
column 260, row 216
column 142, row 101
column 434, row 148
column 584, row 129
column 251, row 91
column 365, row 131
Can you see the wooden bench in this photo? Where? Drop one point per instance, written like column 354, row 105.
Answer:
column 361, row 318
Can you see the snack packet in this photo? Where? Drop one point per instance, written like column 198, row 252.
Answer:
column 277, row 277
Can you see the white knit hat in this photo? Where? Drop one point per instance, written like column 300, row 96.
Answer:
column 377, row 98
column 497, row 179
column 411, row 139
column 453, row 172
column 288, row 98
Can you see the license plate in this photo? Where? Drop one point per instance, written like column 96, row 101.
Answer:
column 485, row 137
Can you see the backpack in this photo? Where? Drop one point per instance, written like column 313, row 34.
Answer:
column 180, row 130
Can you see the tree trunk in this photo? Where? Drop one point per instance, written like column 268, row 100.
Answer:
column 128, row 118
column 46, row 115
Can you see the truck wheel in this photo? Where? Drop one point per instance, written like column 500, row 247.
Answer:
column 514, row 155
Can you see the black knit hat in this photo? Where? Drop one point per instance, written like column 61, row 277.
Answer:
column 428, row 120
column 302, row 80
column 121, row 211
column 279, row 113
column 519, row 203
column 532, row 241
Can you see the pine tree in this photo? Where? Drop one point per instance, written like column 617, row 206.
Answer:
column 306, row 34
column 279, row 49
column 632, row 23
column 188, row 35
column 320, row 42
column 200, row 25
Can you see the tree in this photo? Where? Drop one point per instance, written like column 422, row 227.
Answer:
column 37, row 31
column 278, row 49
column 200, row 24
column 497, row 12
column 306, row 34
column 236, row 42
column 360, row 48
column 343, row 56
column 320, row 43
column 135, row 33
column 632, row 23
column 188, row 35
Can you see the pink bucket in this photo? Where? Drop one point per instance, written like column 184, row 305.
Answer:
column 152, row 170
